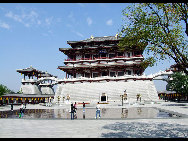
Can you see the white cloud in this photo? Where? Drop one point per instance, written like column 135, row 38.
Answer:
column 49, row 20
column 29, row 18
column 48, row 33
column 38, row 22
column 109, row 22
column 89, row 21
column 4, row 25
column 77, row 33
column 15, row 17
column 69, row 25
column 25, row 18
column 71, row 17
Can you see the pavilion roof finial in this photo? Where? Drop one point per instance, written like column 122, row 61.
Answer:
column 92, row 37
column 116, row 36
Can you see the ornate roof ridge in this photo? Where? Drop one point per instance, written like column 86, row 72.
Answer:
column 104, row 38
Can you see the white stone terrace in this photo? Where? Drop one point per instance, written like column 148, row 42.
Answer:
column 118, row 78
column 102, row 78
column 40, row 80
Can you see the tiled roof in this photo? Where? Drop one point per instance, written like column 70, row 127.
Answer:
column 105, row 38
column 30, row 69
column 28, row 95
column 46, row 74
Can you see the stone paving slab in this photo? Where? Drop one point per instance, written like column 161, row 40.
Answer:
column 126, row 128
column 23, row 128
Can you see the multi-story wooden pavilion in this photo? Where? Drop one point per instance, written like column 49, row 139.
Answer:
column 99, row 61
column 100, row 56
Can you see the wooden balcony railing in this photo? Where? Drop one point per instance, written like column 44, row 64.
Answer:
column 96, row 58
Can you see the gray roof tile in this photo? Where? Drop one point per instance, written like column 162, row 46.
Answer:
column 105, row 38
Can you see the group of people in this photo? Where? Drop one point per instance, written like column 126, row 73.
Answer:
column 73, row 110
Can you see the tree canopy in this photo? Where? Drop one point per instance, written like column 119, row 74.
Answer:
column 4, row 89
column 179, row 83
column 157, row 28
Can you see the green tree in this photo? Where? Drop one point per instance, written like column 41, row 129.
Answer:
column 157, row 28
column 179, row 83
column 4, row 89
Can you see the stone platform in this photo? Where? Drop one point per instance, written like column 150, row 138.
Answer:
column 98, row 128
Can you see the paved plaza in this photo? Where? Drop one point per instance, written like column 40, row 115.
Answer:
column 98, row 128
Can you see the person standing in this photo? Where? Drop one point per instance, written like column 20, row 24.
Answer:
column 140, row 97
column 137, row 97
column 84, row 107
column 98, row 110
column 75, row 106
column 75, row 110
column 72, row 111
column 11, row 106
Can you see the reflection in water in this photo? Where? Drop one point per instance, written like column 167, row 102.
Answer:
column 124, row 113
column 103, row 110
column 106, row 113
column 139, row 110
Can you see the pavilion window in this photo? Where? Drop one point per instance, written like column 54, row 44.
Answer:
column 71, row 57
column 104, row 73
column 120, row 73
column 120, row 54
column 95, row 56
column 103, row 55
column 128, row 72
column 138, row 72
column 87, row 75
column 112, row 74
column 87, row 55
column 128, row 54
column 78, row 57
column 95, row 74
column 137, row 53
column 78, row 75
column 112, row 55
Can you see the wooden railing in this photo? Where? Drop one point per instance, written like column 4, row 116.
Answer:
column 95, row 58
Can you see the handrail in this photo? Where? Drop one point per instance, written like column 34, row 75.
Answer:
column 95, row 58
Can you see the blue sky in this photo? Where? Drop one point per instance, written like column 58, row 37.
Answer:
column 31, row 34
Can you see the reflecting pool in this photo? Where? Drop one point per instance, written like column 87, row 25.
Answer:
column 106, row 113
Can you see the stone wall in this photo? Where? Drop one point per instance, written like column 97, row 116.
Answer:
column 92, row 91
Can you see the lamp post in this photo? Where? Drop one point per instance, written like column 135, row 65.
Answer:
column 122, row 96
column 58, row 99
